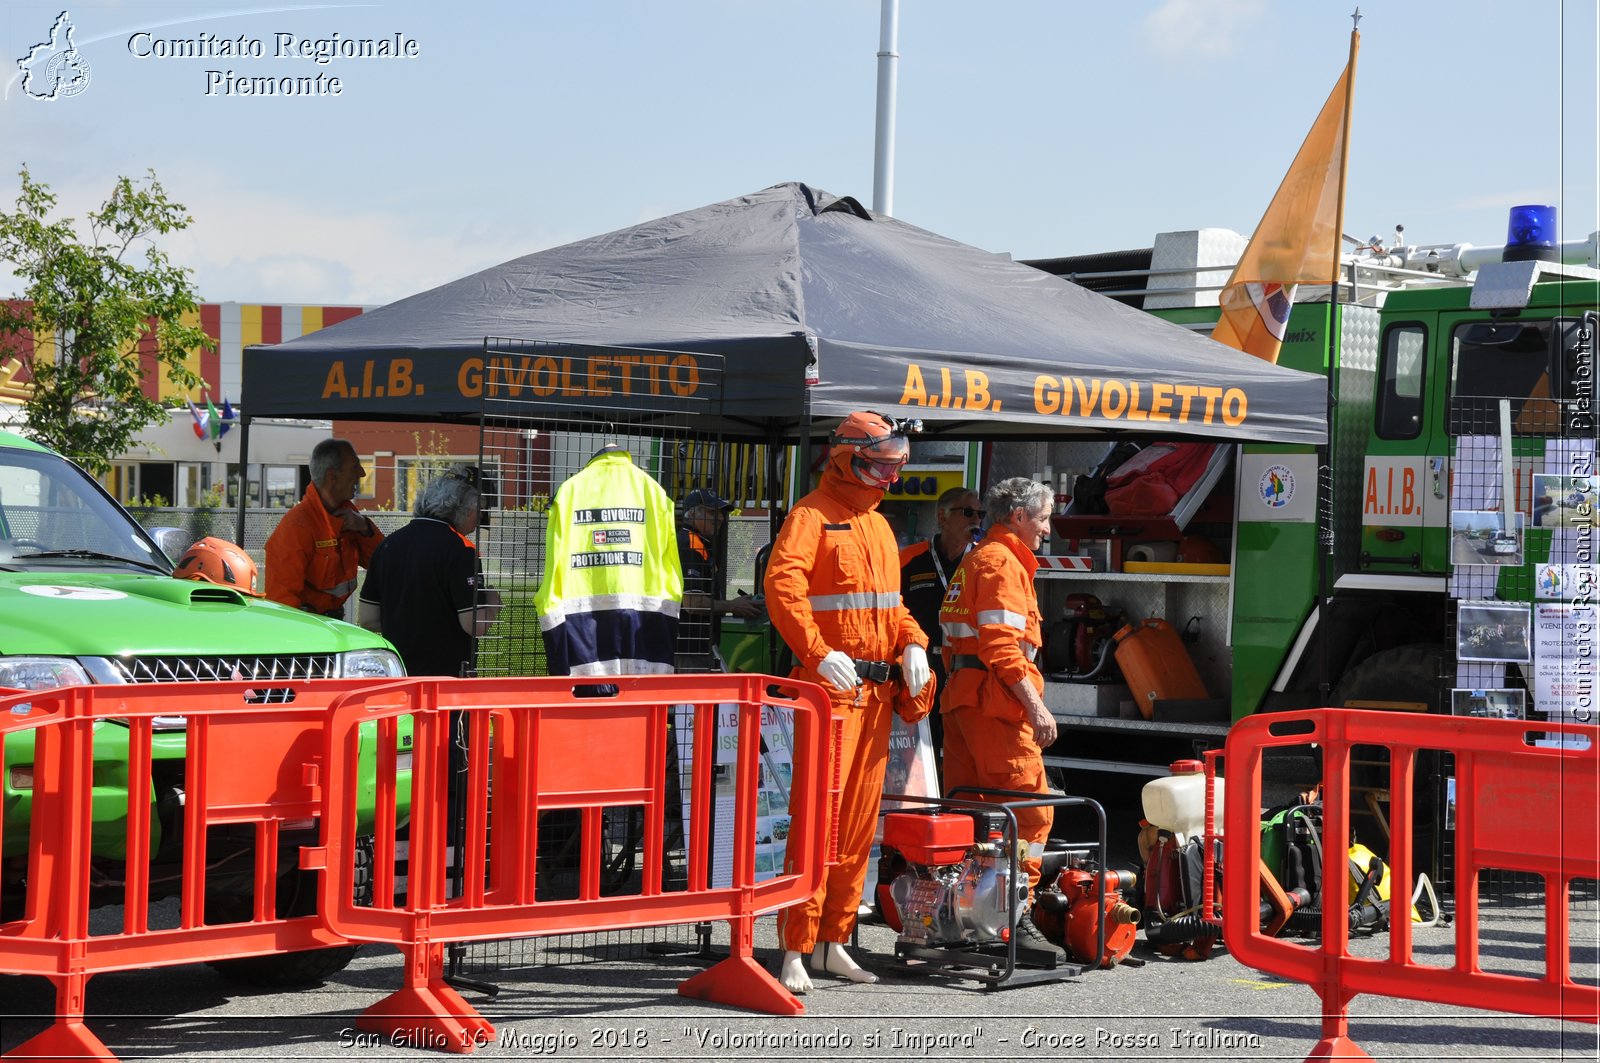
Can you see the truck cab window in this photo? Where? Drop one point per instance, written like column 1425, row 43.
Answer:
column 1491, row 360
column 1400, row 384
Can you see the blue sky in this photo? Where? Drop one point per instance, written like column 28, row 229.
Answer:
column 1034, row 127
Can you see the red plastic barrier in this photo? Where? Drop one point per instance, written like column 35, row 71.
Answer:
column 543, row 748
column 1519, row 807
column 252, row 765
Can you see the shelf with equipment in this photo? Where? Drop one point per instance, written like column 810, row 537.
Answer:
column 1162, row 740
column 1108, row 570
column 1128, row 577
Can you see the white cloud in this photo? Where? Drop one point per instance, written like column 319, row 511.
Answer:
column 1200, row 27
column 307, row 279
column 287, row 248
column 281, row 248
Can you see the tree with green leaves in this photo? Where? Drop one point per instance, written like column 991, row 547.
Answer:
column 88, row 302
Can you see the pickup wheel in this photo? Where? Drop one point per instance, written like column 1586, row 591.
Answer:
column 13, row 900
column 297, row 895
column 285, row 969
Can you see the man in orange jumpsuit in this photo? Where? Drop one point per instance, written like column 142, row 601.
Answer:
column 996, row 725
column 833, row 592
column 313, row 553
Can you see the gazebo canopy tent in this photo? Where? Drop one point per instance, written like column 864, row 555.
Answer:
column 811, row 308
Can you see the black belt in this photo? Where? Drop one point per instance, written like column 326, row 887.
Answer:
column 967, row 660
column 877, row 671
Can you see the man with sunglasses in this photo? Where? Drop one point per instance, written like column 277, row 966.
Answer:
column 925, row 571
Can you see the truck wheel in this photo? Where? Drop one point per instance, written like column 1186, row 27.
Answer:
column 1405, row 673
column 1421, row 673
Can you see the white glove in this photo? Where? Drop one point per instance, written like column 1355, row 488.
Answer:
column 839, row 670
column 914, row 667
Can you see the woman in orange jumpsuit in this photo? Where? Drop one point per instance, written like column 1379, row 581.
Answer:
column 833, row 591
column 996, row 725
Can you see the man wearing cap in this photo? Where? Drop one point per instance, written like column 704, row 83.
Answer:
column 702, row 522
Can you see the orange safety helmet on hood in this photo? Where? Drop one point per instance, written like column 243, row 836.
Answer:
column 218, row 561
column 877, row 446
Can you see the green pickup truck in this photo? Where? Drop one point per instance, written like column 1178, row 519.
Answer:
column 87, row 596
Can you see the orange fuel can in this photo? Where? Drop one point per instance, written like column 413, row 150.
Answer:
column 1156, row 664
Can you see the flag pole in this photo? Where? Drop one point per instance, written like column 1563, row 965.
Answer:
column 1325, row 449
column 1344, row 154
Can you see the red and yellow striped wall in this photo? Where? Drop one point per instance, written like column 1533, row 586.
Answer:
column 232, row 326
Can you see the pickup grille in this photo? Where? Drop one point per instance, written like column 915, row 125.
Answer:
column 224, row 669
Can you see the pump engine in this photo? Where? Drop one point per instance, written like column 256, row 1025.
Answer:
column 945, row 889
column 1079, row 644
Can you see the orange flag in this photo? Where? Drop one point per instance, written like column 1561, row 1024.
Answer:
column 1297, row 240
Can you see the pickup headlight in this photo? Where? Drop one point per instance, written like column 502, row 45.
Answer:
column 41, row 673
column 370, row 664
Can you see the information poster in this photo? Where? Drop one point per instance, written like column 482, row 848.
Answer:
column 911, row 769
column 1564, row 661
column 772, row 796
column 776, row 762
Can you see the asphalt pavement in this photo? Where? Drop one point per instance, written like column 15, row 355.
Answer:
column 630, row 1010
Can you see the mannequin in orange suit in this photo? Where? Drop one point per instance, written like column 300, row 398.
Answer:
column 833, row 591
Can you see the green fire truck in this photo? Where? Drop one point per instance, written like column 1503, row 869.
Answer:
column 1406, row 559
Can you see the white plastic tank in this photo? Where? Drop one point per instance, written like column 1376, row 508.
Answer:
column 1178, row 802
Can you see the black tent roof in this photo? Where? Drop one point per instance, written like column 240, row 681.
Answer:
column 778, row 287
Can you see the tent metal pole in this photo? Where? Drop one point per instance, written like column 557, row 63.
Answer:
column 883, row 140
column 244, row 480
column 802, row 453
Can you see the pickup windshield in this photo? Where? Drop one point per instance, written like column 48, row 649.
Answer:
column 53, row 516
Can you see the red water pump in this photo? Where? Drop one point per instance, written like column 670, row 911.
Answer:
column 942, row 887
column 1070, row 910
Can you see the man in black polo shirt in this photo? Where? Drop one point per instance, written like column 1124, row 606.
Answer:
column 925, row 571
column 424, row 588
column 424, row 592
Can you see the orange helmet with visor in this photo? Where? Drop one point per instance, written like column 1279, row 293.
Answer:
column 878, row 447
